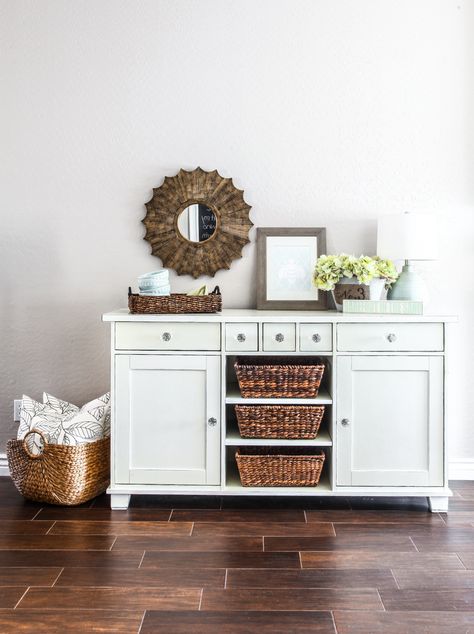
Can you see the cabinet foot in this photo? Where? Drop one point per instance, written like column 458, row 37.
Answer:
column 119, row 501
column 438, row 504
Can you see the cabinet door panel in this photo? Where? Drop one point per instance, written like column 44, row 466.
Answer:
column 394, row 412
column 163, row 405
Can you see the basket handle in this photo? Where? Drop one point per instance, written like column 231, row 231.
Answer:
column 216, row 291
column 25, row 444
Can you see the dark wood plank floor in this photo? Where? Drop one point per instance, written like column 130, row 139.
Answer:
column 234, row 565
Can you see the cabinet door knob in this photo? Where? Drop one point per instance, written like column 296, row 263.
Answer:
column 166, row 336
column 212, row 422
column 279, row 337
column 345, row 422
column 316, row 337
column 392, row 337
column 241, row 337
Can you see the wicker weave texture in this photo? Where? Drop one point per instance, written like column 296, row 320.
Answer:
column 61, row 475
column 269, row 467
column 259, row 379
column 175, row 303
column 279, row 421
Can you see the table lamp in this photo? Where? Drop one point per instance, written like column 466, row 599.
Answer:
column 409, row 237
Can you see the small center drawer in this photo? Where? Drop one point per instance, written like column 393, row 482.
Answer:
column 396, row 337
column 167, row 336
column 279, row 337
column 241, row 337
column 315, row 337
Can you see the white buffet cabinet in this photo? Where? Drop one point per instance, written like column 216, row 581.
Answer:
column 174, row 388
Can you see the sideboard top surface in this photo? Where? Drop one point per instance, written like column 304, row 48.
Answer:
column 248, row 314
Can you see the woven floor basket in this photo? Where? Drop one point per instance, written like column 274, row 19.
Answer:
column 175, row 303
column 257, row 378
column 268, row 467
column 60, row 474
column 279, row 421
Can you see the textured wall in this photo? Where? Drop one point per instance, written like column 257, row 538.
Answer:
column 328, row 113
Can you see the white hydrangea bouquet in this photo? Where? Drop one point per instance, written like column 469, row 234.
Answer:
column 337, row 273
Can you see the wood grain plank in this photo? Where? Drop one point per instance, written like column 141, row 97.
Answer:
column 238, row 515
column 290, row 599
column 33, row 576
column 111, row 598
column 144, row 578
column 459, row 600
column 71, row 558
column 455, row 519
column 467, row 559
column 24, row 527
column 196, row 544
column 401, row 529
column 75, row 527
column 325, row 578
column 102, row 514
column 375, row 517
column 57, row 621
column 412, row 578
column 295, row 529
column 10, row 595
column 454, row 539
column 375, row 560
column 56, row 542
column 18, row 513
column 349, row 622
column 371, row 542
column 216, row 559
column 242, row 622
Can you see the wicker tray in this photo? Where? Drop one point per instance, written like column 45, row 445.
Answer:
column 279, row 421
column 175, row 303
column 60, row 474
column 259, row 378
column 270, row 467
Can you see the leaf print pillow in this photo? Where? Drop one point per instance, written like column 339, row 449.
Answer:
column 63, row 423
column 35, row 415
column 90, row 423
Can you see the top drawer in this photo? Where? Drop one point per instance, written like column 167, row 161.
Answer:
column 390, row 337
column 167, row 336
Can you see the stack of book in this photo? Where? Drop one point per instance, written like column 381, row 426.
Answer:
column 382, row 307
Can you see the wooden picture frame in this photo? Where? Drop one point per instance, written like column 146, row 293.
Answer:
column 297, row 272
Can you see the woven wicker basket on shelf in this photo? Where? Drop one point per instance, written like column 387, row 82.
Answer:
column 279, row 467
column 279, row 421
column 60, row 474
column 175, row 303
column 258, row 377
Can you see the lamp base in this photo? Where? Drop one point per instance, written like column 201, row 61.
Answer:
column 409, row 286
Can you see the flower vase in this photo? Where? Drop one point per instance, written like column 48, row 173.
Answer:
column 351, row 288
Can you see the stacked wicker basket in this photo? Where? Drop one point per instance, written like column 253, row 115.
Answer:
column 273, row 466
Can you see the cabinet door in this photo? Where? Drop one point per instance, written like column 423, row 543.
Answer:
column 166, row 419
column 390, row 421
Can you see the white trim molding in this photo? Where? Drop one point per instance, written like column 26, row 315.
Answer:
column 4, row 471
column 461, row 470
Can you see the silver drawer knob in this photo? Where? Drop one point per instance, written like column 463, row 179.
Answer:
column 392, row 337
column 241, row 337
column 316, row 338
column 166, row 336
column 345, row 422
column 279, row 337
column 212, row 422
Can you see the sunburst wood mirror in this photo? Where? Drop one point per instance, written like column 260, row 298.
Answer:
column 197, row 222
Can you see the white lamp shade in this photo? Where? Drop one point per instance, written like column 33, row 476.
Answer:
column 407, row 237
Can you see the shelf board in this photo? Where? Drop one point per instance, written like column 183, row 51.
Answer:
column 233, row 396
column 233, row 438
column 234, row 486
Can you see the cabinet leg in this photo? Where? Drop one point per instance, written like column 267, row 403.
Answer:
column 438, row 504
column 119, row 501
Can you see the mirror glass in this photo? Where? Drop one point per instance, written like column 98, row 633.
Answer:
column 197, row 222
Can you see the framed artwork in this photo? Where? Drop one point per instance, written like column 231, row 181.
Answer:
column 285, row 262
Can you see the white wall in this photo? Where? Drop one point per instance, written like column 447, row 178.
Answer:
column 327, row 112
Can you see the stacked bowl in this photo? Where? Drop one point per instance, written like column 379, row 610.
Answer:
column 155, row 283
